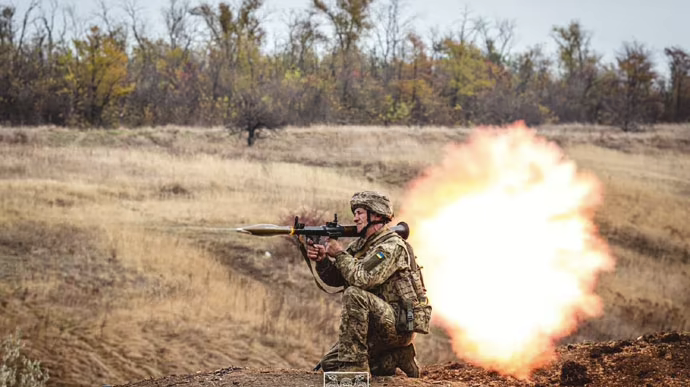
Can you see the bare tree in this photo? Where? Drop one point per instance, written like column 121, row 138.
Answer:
column 177, row 23
column 76, row 24
column 391, row 31
column 496, row 38
column 303, row 39
column 48, row 25
column 115, row 29
column 679, row 68
column 467, row 30
column 132, row 9
column 25, row 22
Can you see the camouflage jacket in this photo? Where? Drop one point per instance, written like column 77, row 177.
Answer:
column 370, row 264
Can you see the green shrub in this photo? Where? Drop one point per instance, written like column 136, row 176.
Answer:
column 16, row 370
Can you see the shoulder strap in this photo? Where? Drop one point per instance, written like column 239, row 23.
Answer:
column 412, row 258
column 379, row 239
column 413, row 262
column 303, row 250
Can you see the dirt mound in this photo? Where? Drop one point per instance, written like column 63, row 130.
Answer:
column 661, row 359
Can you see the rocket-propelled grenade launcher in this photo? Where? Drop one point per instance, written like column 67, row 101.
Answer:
column 331, row 230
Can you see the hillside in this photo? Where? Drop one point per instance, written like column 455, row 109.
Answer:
column 109, row 285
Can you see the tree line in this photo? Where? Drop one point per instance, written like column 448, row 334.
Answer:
column 341, row 61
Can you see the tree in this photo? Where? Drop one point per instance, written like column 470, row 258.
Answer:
column 637, row 77
column 258, row 108
column 177, row 24
column 464, row 75
column 349, row 20
column 497, row 38
column 303, row 38
column 679, row 68
column 98, row 77
column 236, row 37
column 390, row 35
column 579, row 65
column 342, row 61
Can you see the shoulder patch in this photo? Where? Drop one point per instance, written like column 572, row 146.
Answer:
column 374, row 260
column 397, row 249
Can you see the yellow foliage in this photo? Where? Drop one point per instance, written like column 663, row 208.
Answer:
column 97, row 74
column 467, row 67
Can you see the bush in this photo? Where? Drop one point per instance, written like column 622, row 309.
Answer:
column 16, row 370
column 258, row 108
column 288, row 247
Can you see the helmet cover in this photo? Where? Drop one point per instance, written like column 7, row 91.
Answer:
column 372, row 201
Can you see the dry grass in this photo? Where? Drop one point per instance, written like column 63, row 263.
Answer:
column 108, row 286
column 94, row 248
column 646, row 218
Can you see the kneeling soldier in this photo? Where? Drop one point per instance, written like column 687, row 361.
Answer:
column 384, row 301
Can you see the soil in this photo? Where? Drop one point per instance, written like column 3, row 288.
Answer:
column 660, row 359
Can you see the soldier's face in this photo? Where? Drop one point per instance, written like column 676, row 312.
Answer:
column 361, row 218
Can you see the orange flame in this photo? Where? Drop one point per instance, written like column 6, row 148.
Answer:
column 503, row 227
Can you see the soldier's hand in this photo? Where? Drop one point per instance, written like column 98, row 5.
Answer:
column 334, row 248
column 316, row 252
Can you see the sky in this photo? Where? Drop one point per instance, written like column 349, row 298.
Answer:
column 656, row 23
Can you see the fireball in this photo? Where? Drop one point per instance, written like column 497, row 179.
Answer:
column 503, row 227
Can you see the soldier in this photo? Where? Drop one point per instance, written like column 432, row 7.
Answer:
column 384, row 301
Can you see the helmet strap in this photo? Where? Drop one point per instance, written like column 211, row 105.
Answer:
column 363, row 233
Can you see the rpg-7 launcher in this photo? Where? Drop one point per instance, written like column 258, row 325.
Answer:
column 332, row 230
column 313, row 234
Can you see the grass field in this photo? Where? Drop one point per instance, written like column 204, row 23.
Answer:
column 108, row 285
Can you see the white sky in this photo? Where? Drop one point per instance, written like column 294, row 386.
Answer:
column 656, row 23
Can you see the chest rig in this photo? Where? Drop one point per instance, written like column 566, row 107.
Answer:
column 405, row 289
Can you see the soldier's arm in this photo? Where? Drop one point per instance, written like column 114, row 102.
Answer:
column 374, row 269
column 329, row 274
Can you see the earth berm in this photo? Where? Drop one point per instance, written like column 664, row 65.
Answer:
column 660, row 359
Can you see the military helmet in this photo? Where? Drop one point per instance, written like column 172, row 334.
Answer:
column 372, row 201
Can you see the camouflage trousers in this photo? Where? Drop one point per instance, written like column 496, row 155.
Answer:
column 367, row 331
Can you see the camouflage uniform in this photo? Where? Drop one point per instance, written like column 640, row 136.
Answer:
column 369, row 269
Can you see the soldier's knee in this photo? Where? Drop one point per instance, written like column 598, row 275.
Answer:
column 354, row 297
column 354, row 292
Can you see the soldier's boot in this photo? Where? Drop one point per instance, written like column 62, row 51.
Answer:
column 383, row 365
column 354, row 367
column 404, row 359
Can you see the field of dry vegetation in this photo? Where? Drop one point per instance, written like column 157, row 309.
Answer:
column 108, row 285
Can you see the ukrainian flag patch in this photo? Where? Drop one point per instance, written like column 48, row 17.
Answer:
column 373, row 260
